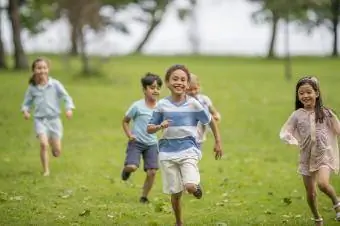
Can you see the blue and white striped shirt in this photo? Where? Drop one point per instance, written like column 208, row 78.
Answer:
column 179, row 139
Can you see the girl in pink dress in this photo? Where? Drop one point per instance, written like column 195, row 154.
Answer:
column 314, row 128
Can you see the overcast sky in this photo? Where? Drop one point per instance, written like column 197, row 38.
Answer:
column 224, row 27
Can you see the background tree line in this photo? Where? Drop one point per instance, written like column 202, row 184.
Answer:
column 84, row 15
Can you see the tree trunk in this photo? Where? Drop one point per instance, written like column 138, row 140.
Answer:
column 2, row 49
column 288, row 63
column 74, row 40
column 84, row 57
column 335, row 21
column 157, row 16
column 271, row 48
column 193, row 28
column 20, row 58
column 147, row 35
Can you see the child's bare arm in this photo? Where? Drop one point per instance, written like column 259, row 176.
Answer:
column 155, row 128
column 126, row 128
column 217, row 148
column 215, row 114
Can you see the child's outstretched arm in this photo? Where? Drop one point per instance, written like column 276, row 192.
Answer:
column 287, row 130
column 218, row 147
column 27, row 103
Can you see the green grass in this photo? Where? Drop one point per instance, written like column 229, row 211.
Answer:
column 247, row 187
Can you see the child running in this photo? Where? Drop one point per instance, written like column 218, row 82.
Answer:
column 45, row 94
column 140, row 143
column 179, row 154
column 314, row 128
column 194, row 90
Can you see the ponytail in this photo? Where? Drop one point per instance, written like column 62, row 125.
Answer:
column 32, row 81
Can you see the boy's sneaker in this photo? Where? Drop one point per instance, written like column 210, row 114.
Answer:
column 144, row 200
column 198, row 193
column 125, row 175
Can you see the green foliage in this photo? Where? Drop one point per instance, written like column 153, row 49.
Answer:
column 35, row 15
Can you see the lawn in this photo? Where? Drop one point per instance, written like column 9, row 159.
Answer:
column 254, row 184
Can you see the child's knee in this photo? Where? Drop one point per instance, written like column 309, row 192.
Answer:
column 323, row 185
column 43, row 146
column 191, row 188
column 56, row 151
column 151, row 172
column 176, row 196
column 131, row 168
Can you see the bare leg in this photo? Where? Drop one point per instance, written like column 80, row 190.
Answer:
column 44, row 154
column 323, row 176
column 310, row 185
column 176, row 206
column 191, row 188
column 56, row 146
column 130, row 168
column 149, row 181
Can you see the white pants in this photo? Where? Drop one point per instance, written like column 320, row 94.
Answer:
column 178, row 172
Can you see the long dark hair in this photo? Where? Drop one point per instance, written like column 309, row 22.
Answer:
column 32, row 81
column 320, row 111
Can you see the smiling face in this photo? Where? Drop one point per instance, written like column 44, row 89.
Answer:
column 307, row 95
column 178, row 82
column 40, row 71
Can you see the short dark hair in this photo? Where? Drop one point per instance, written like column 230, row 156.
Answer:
column 149, row 78
column 175, row 68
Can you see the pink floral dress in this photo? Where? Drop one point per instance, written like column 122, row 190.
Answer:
column 317, row 141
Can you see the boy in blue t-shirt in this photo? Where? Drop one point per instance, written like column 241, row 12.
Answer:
column 140, row 142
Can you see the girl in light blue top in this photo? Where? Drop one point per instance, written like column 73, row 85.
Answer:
column 45, row 94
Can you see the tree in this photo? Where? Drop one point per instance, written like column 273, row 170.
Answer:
column 327, row 13
column 189, row 14
column 154, row 11
column 84, row 15
column 3, row 64
column 20, row 59
column 274, row 11
column 270, row 12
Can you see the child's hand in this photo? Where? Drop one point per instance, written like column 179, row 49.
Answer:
column 289, row 139
column 165, row 124
column 132, row 137
column 27, row 115
column 69, row 114
column 218, row 150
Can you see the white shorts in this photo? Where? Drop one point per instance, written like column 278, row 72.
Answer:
column 178, row 172
column 52, row 128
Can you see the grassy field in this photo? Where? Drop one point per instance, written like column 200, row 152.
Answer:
column 254, row 184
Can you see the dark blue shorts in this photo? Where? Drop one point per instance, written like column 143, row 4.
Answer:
column 135, row 150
